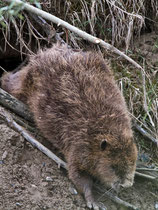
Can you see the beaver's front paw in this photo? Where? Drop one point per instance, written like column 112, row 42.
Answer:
column 95, row 206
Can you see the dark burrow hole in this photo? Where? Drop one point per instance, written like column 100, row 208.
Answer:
column 9, row 64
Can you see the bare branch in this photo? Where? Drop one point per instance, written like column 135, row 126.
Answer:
column 145, row 133
column 147, row 169
column 146, row 176
column 10, row 102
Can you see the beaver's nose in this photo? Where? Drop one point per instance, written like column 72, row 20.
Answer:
column 127, row 183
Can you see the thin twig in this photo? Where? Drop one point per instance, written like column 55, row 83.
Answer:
column 81, row 33
column 19, row 36
column 145, row 176
column 48, row 29
column 115, row 198
column 7, row 43
column 120, row 201
column 135, row 120
column 145, row 101
column 147, row 169
column 145, row 133
column 3, row 69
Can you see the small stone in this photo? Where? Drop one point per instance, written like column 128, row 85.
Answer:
column 34, row 186
column 43, row 164
column 4, row 155
column 18, row 204
column 73, row 190
column 49, row 179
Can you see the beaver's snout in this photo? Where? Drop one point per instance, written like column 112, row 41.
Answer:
column 125, row 184
column 128, row 182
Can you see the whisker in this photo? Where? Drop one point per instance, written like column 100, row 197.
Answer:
column 104, row 193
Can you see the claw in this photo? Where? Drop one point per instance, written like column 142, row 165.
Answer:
column 89, row 205
column 95, row 206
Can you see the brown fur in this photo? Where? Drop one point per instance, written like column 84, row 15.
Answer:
column 77, row 105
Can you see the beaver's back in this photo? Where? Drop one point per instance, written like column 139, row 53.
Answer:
column 72, row 95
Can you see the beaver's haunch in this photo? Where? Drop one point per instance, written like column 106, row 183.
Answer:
column 78, row 106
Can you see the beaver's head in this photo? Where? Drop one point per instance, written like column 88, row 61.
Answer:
column 114, row 160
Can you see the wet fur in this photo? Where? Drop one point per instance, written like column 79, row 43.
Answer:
column 77, row 104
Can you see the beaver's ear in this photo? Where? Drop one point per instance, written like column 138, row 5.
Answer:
column 103, row 144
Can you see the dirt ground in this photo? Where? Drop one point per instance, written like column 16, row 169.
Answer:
column 30, row 180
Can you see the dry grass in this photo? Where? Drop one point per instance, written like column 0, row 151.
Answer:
column 117, row 21
column 28, row 37
column 140, row 89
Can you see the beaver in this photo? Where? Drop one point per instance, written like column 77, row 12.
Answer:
column 78, row 106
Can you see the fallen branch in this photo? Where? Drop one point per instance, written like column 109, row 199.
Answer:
column 74, row 29
column 48, row 29
column 7, row 117
column 147, row 169
column 15, row 105
column 145, row 133
column 145, row 176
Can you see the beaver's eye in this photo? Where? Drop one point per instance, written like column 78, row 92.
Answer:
column 103, row 144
